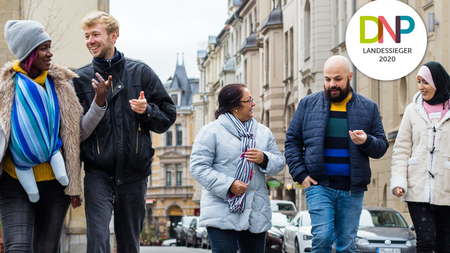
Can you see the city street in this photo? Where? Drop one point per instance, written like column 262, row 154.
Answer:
column 156, row 249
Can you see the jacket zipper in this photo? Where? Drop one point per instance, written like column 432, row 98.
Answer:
column 324, row 133
column 431, row 152
column 98, row 146
column 137, row 138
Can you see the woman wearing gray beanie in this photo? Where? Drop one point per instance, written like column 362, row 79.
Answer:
column 40, row 134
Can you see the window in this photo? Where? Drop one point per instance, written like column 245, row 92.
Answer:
column 267, row 61
column 245, row 73
column 286, row 54
column 169, row 137
column 307, row 30
column 179, row 175
column 256, row 18
column 179, row 130
column 150, row 182
column 251, row 23
column 291, row 51
column 168, row 175
column 175, row 99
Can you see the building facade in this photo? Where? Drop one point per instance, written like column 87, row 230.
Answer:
column 279, row 48
column 170, row 190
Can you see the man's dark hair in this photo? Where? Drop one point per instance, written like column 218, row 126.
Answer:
column 229, row 98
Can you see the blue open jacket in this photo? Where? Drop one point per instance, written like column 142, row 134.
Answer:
column 305, row 138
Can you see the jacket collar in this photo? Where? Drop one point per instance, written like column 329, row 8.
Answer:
column 114, row 64
column 418, row 105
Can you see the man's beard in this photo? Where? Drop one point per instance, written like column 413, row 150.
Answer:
column 343, row 94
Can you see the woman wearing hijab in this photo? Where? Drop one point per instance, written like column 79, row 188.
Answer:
column 421, row 159
column 40, row 119
column 230, row 159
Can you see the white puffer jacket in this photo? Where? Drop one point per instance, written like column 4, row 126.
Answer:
column 419, row 167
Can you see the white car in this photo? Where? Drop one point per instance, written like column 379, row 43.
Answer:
column 170, row 242
column 297, row 235
column 282, row 205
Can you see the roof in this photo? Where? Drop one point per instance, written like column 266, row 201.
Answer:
column 212, row 39
column 250, row 41
column 181, row 82
column 229, row 65
column 201, row 54
column 274, row 18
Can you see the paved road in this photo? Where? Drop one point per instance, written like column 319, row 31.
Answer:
column 180, row 249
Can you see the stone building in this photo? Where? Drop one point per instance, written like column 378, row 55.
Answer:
column 170, row 190
column 279, row 48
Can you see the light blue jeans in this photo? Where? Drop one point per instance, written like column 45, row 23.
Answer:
column 334, row 217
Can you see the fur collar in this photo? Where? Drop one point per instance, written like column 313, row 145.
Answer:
column 70, row 112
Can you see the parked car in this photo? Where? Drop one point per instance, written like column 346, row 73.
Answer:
column 274, row 237
column 194, row 234
column 297, row 234
column 380, row 230
column 205, row 240
column 170, row 242
column 282, row 205
column 181, row 229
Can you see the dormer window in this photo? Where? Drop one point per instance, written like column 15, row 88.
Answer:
column 175, row 99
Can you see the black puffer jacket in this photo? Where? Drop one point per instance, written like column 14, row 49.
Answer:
column 120, row 144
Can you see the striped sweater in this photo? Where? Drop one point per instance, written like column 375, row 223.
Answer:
column 337, row 161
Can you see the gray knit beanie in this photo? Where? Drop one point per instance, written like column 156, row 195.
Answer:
column 23, row 36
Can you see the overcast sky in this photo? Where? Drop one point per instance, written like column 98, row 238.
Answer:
column 154, row 31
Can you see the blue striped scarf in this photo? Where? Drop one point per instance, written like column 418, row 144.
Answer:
column 244, row 170
column 34, row 123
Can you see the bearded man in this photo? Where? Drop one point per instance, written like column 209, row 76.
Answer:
column 328, row 145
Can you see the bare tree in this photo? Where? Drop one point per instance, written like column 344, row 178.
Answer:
column 55, row 23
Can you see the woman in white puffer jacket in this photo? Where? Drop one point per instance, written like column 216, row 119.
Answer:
column 421, row 159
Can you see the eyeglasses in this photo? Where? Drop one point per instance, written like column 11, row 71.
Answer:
column 248, row 101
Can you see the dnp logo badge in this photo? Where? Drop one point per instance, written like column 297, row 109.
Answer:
column 386, row 39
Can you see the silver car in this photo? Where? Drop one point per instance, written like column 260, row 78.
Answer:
column 383, row 230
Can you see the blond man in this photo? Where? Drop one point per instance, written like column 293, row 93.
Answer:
column 118, row 153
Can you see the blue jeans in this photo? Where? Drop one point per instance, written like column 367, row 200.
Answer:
column 32, row 227
column 334, row 217
column 227, row 241
column 127, row 201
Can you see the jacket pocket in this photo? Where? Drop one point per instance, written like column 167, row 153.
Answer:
column 413, row 171
column 90, row 150
column 143, row 152
column 447, row 176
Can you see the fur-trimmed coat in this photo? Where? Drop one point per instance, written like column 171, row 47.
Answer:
column 70, row 114
column 419, row 167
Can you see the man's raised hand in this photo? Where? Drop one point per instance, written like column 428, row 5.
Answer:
column 101, row 89
column 139, row 105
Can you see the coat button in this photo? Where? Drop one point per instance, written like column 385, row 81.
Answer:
column 106, row 72
column 120, row 86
